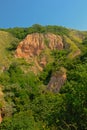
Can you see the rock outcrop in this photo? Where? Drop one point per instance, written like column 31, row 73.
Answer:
column 57, row 81
column 55, row 41
column 34, row 43
column 30, row 46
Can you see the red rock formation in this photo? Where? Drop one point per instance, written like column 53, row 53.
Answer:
column 33, row 44
column 30, row 46
column 55, row 41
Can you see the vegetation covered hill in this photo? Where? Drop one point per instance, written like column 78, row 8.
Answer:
column 6, row 40
column 47, row 88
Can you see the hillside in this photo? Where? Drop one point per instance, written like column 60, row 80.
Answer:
column 71, row 39
column 43, row 78
column 6, row 56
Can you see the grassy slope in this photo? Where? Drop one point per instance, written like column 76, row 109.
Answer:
column 74, row 40
column 5, row 42
column 73, row 47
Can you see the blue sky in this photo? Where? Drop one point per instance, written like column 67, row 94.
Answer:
column 25, row 13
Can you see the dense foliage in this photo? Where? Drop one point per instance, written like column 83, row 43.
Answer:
column 31, row 106
column 36, row 28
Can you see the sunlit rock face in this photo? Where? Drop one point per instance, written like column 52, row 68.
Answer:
column 55, row 41
column 34, row 43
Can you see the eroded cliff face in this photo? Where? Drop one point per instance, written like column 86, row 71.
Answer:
column 57, row 81
column 55, row 41
column 30, row 46
column 34, row 43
